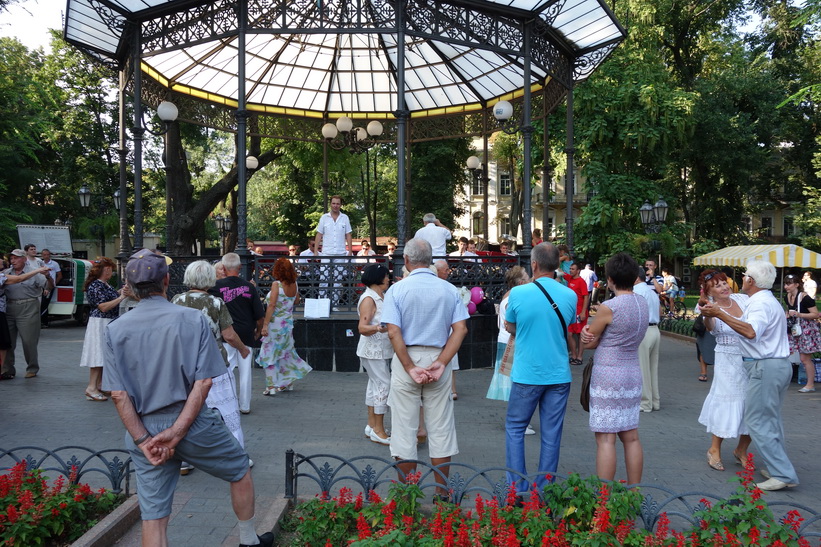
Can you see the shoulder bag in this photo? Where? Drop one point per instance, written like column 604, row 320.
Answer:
column 506, row 364
column 587, row 373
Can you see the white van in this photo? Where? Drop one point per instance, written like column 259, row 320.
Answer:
column 70, row 299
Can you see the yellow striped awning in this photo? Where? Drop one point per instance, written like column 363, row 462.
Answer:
column 780, row 256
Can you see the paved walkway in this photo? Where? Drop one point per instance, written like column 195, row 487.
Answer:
column 326, row 414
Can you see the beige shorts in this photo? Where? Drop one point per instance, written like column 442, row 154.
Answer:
column 404, row 400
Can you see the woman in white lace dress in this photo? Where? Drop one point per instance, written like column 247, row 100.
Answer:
column 723, row 410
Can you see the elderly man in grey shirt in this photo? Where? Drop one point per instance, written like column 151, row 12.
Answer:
column 159, row 362
column 420, row 312
column 23, row 315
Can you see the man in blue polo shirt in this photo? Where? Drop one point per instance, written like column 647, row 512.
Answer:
column 541, row 370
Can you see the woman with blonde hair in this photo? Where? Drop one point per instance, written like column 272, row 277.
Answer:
column 104, row 301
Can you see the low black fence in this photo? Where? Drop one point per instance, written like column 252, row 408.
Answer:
column 337, row 277
column 110, row 468
column 328, row 473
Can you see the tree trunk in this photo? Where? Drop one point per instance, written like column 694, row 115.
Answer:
column 189, row 213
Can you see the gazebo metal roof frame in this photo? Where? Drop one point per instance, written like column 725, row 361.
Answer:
column 526, row 38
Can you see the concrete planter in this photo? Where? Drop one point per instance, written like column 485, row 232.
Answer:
column 112, row 527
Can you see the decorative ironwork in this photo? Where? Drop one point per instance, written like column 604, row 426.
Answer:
column 75, row 462
column 329, row 472
column 587, row 63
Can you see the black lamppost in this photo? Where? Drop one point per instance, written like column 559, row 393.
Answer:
column 167, row 112
column 653, row 217
column 224, row 225
column 85, row 196
column 479, row 172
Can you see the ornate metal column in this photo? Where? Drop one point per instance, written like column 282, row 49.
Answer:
column 402, row 116
column 125, row 250
column 138, row 131
column 527, row 136
column 570, row 149
column 485, row 177
column 242, row 124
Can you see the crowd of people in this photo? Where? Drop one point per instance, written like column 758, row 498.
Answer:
column 185, row 411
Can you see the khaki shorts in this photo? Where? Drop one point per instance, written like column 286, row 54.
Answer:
column 404, row 400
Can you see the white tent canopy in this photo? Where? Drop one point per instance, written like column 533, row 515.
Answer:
column 780, row 256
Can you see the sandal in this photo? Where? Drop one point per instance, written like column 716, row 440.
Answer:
column 702, row 377
column 270, row 391
column 742, row 461
column 714, row 463
column 96, row 397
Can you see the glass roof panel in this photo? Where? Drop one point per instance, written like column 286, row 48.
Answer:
column 327, row 72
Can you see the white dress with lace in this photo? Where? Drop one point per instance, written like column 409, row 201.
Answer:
column 723, row 409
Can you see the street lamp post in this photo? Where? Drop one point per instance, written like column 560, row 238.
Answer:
column 167, row 112
column 479, row 172
column 653, row 218
column 224, row 225
column 85, row 196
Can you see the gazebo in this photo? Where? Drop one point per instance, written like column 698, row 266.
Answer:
column 424, row 69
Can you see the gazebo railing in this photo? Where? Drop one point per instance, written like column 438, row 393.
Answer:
column 337, row 277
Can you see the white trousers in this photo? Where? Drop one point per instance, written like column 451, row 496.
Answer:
column 244, row 365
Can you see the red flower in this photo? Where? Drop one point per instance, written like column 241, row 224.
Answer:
column 362, row 528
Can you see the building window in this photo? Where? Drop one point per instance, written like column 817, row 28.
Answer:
column 550, row 232
column 504, row 227
column 504, row 184
column 747, row 225
column 766, row 226
column 478, row 225
column 789, row 227
column 477, row 186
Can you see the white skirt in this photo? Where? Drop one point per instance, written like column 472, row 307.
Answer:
column 93, row 354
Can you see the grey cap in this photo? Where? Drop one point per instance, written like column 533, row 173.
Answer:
column 18, row 252
column 145, row 266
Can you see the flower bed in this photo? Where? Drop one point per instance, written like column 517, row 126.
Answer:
column 576, row 511
column 32, row 512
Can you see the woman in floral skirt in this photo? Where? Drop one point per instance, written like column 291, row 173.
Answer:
column 279, row 358
column 806, row 338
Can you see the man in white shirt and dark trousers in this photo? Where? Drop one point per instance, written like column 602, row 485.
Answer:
column 435, row 233
column 765, row 351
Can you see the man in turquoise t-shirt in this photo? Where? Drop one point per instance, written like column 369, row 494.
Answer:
column 541, row 371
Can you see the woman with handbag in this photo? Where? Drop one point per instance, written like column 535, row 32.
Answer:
column 616, row 332
column 804, row 334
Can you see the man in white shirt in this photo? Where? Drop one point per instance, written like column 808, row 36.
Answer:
column 333, row 234
column 765, row 351
column 55, row 275
column 435, row 233
column 649, row 348
column 333, row 237
column 463, row 247
column 810, row 286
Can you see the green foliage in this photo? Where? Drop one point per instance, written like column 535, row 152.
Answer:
column 34, row 513
column 576, row 512
column 436, row 181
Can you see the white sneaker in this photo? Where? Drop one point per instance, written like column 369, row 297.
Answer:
column 774, row 484
column 530, row 431
column 250, row 462
column 185, row 468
